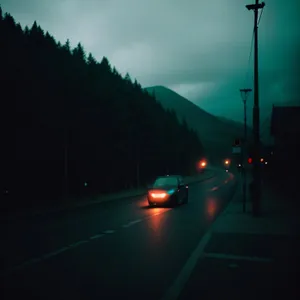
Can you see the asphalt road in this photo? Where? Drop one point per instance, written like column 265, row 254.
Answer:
column 120, row 249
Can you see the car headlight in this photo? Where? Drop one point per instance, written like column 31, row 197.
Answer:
column 158, row 195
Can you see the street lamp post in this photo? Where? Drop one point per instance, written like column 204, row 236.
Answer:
column 244, row 94
column 256, row 121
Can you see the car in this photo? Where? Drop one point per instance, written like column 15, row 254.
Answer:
column 168, row 190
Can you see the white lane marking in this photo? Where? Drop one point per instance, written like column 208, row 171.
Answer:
column 237, row 257
column 108, row 231
column 156, row 214
column 132, row 223
column 174, row 291
column 144, row 219
column 136, row 221
column 77, row 244
column 97, row 236
column 30, row 262
column 21, row 266
column 214, row 188
column 55, row 252
column 63, row 249
column 34, row 261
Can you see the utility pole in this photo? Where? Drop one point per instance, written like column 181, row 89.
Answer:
column 256, row 155
column 244, row 94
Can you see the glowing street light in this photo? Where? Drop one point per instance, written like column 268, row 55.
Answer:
column 227, row 162
column 202, row 164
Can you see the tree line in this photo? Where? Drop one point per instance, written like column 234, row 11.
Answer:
column 75, row 125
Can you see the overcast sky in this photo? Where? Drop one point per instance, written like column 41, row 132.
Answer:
column 199, row 48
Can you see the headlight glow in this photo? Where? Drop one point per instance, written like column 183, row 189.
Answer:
column 156, row 195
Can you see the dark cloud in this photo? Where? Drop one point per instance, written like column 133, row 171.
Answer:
column 199, row 48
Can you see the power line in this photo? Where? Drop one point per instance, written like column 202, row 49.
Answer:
column 261, row 12
column 251, row 49
column 250, row 55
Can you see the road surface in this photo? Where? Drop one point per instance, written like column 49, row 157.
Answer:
column 121, row 249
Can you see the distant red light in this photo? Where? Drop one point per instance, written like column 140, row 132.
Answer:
column 250, row 160
column 203, row 164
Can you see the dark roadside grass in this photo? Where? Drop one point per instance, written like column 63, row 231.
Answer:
column 253, row 258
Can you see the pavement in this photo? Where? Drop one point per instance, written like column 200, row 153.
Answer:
column 251, row 258
column 206, row 249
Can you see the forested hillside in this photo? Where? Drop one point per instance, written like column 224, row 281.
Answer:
column 70, row 120
column 217, row 135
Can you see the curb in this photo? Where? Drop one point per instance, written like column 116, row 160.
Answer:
column 79, row 205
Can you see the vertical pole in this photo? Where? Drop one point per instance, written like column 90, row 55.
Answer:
column 244, row 157
column 256, row 157
column 244, row 93
column 256, row 122
column 245, row 120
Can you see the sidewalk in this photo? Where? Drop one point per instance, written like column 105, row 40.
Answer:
column 97, row 199
column 251, row 258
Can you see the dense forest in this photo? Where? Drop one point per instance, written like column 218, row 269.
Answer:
column 74, row 125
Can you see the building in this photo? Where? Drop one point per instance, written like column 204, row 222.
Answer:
column 285, row 130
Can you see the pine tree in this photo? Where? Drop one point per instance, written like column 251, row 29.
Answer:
column 91, row 61
column 127, row 78
column 79, row 53
column 67, row 46
column 105, row 64
column 10, row 21
column 137, row 85
column 26, row 31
